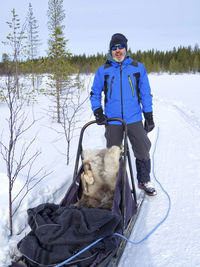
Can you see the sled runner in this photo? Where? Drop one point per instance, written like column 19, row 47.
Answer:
column 86, row 218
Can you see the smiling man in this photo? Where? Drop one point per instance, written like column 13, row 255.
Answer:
column 127, row 96
column 118, row 52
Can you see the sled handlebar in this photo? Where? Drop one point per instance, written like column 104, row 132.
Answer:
column 79, row 151
column 111, row 119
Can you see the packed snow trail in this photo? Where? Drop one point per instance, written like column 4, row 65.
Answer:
column 177, row 157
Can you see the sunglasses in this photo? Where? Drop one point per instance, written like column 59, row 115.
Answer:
column 120, row 46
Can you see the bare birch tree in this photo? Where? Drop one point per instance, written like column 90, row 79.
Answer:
column 71, row 108
column 18, row 157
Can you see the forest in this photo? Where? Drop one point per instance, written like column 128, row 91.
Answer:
column 179, row 60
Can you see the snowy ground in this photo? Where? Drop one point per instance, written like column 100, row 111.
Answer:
column 176, row 166
column 177, row 158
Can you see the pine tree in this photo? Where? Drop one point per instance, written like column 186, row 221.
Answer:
column 58, row 57
column 32, row 41
column 196, row 64
column 173, row 66
column 5, row 60
column 15, row 41
column 148, row 63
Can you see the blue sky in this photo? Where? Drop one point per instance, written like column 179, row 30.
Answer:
column 89, row 24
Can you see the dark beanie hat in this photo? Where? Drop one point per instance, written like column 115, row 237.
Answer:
column 118, row 38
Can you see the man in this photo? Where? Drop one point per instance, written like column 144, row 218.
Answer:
column 127, row 96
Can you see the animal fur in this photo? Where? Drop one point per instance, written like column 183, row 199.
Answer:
column 87, row 176
column 22, row 262
column 99, row 177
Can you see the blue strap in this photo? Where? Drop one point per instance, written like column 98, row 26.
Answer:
column 162, row 188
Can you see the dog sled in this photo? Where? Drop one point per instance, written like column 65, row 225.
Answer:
column 79, row 232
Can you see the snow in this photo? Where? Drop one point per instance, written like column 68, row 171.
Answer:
column 175, row 143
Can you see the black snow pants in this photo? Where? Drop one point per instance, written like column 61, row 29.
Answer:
column 140, row 144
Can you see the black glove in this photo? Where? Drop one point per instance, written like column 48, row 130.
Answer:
column 148, row 123
column 101, row 119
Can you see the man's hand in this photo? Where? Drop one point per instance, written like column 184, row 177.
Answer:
column 148, row 123
column 101, row 119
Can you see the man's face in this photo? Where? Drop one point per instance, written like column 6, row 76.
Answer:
column 119, row 54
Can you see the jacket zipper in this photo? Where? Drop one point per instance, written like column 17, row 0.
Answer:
column 121, row 91
column 129, row 78
column 112, row 80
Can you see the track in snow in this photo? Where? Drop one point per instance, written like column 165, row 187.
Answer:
column 177, row 157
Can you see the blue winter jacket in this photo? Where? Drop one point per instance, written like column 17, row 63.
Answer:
column 126, row 88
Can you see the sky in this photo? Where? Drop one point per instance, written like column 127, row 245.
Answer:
column 89, row 24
